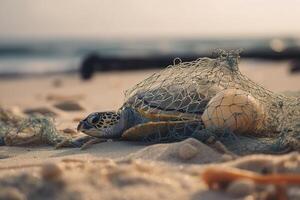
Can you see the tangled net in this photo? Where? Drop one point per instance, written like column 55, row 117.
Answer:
column 16, row 130
column 185, row 89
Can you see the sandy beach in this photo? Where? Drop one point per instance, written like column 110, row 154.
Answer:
column 123, row 170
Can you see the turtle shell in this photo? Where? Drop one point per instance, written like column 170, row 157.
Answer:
column 182, row 90
column 182, row 93
column 171, row 102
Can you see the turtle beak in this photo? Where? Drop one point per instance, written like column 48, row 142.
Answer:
column 79, row 127
column 83, row 125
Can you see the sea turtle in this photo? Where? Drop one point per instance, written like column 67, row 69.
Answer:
column 169, row 106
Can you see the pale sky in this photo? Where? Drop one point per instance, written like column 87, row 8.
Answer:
column 147, row 18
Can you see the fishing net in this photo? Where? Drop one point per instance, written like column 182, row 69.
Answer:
column 16, row 130
column 187, row 88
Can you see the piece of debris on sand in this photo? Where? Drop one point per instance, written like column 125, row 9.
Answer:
column 260, row 176
column 16, row 130
column 69, row 106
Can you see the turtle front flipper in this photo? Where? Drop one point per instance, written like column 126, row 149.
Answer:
column 76, row 143
column 83, row 142
column 163, row 131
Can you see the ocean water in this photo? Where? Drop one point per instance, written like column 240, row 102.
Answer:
column 56, row 56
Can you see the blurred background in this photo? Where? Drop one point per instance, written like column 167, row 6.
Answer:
column 76, row 36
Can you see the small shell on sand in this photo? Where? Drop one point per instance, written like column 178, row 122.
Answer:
column 69, row 131
column 241, row 188
column 186, row 151
column 51, row 171
column 69, row 106
column 234, row 109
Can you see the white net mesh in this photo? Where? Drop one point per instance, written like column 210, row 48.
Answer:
column 185, row 88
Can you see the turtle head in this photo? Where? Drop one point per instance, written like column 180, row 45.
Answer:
column 103, row 124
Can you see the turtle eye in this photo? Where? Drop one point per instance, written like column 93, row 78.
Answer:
column 94, row 119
